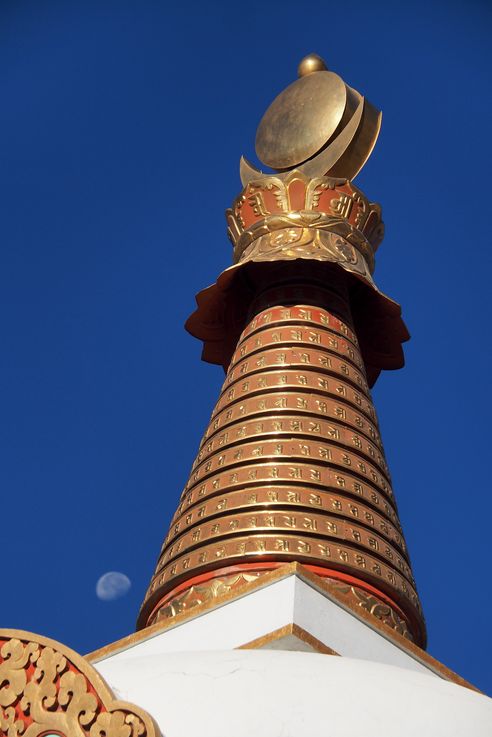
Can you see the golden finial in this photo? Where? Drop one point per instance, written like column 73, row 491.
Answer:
column 318, row 125
column 311, row 63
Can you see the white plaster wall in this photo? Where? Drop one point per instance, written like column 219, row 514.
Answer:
column 263, row 693
column 345, row 633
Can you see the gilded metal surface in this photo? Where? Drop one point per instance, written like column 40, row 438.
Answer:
column 223, row 311
column 277, row 635
column 285, row 546
column 298, row 381
column 304, row 381
column 284, row 471
column 306, row 523
column 375, row 606
column 318, row 124
column 268, row 298
column 287, row 426
column 297, row 448
column 319, row 132
column 216, row 588
column 299, row 359
column 351, row 489
column 317, row 406
column 323, row 204
column 305, row 314
column 311, row 63
column 301, row 337
column 303, row 118
column 46, row 688
column 289, row 499
column 291, row 466
column 292, row 243
column 202, row 593
column 315, row 221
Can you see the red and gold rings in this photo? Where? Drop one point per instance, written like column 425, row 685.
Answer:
column 305, row 474
column 301, row 360
column 330, row 527
column 292, row 451
column 317, row 405
column 299, row 315
column 280, row 426
column 342, row 557
column 301, row 381
column 290, row 498
column 304, row 336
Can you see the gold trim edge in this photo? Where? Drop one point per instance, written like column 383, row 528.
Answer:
column 289, row 629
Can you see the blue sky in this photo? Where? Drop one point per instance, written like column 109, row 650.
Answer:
column 122, row 124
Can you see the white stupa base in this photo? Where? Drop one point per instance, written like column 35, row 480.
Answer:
column 292, row 694
column 257, row 663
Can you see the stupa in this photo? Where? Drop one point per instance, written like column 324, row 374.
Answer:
column 283, row 601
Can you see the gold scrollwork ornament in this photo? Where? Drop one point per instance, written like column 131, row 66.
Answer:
column 46, row 688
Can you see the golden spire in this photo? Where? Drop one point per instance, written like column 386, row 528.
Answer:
column 292, row 466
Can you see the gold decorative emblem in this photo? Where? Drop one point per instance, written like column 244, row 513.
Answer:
column 325, row 205
column 203, row 593
column 318, row 125
column 48, row 689
column 372, row 604
column 323, row 220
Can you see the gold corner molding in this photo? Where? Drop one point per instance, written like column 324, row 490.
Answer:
column 48, row 689
column 293, row 630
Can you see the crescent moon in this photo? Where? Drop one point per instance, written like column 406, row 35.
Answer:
column 247, row 171
column 321, row 164
column 326, row 159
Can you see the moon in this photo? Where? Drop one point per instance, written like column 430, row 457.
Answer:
column 112, row 585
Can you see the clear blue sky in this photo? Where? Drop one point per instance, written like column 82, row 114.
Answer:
column 122, row 124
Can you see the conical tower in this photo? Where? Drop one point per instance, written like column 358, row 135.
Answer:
column 283, row 586
column 291, row 466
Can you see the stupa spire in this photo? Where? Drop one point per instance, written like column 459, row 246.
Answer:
column 292, row 466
